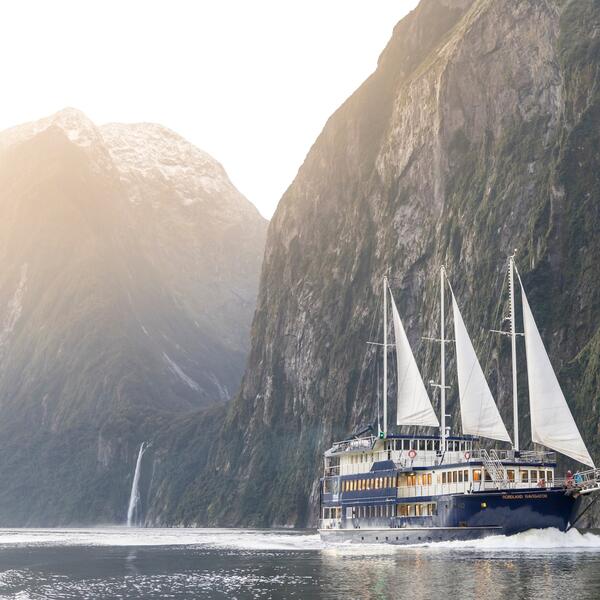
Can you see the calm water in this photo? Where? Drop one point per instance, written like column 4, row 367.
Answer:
column 208, row 563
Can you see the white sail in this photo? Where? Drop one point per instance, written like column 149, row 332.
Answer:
column 414, row 406
column 552, row 423
column 478, row 410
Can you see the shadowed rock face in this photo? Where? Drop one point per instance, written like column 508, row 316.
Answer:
column 478, row 133
column 128, row 280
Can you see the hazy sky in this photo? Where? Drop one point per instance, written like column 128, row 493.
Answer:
column 252, row 82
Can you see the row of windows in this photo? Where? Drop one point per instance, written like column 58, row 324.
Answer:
column 371, row 511
column 458, row 476
column 530, row 475
column 373, row 483
column 412, row 509
column 430, row 445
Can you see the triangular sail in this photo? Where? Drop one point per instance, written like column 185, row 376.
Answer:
column 552, row 423
column 414, row 406
column 478, row 410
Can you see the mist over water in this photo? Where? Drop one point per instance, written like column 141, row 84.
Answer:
column 228, row 563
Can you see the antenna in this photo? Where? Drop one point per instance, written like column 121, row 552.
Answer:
column 385, row 285
column 442, row 360
column 513, row 343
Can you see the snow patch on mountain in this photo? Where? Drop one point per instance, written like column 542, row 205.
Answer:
column 177, row 370
column 159, row 162
column 77, row 127
column 13, row 311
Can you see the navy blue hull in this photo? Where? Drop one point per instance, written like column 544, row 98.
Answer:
column 463, row 516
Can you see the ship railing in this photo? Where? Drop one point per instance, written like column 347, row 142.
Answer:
column 528, row 456
column 364, row 443
column 585, row 482
column 495, row 468
column 330, row 524
column 332, row 471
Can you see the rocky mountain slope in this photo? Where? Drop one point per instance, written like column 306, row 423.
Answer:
column 477, row 134
column 129, row 269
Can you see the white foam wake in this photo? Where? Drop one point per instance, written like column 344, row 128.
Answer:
column 550, row 540
column 534, row 539
column 240, row 539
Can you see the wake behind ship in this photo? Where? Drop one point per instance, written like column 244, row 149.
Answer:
column 404, row 489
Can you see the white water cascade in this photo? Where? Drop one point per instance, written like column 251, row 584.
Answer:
column 134, row 498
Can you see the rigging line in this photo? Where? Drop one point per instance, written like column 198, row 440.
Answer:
column 489, row 346
column 365, row 360
column 498, row 307
column 472, row 371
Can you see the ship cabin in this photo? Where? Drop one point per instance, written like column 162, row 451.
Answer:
column 370, row 478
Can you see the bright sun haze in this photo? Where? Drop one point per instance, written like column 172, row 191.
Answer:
column 252, row 83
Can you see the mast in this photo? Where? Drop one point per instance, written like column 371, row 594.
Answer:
column 385, row 356
column 442, row 363
column 513, row 341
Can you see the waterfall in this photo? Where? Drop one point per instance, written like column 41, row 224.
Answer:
column 132, row 511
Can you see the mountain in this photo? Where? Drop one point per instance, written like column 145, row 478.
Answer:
column 129, row 268
column 478, row 133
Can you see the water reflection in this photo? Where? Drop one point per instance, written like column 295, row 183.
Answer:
column 422, row 573
column 244, row 564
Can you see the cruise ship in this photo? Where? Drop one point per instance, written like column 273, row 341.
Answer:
column 380, row 487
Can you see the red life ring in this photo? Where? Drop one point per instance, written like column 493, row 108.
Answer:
column 467, row 455
column 412, row 453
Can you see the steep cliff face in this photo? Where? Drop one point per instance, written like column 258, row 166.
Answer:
column 129, row 272
column 477, row 134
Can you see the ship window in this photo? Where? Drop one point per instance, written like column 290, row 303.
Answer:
column 404, row 510
column 444, row 477
column 488, row 476
column 525, row 476
column 534, row 476
column 454, row 477
column 549, row 475
column 460, row 477
column 476, row 474
column 429, row 478
column 418, row 510
column 411, row 510
column 411, row 480
column 429, row 445
column 510, row 473
column 422, row 445
column 466, row 474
